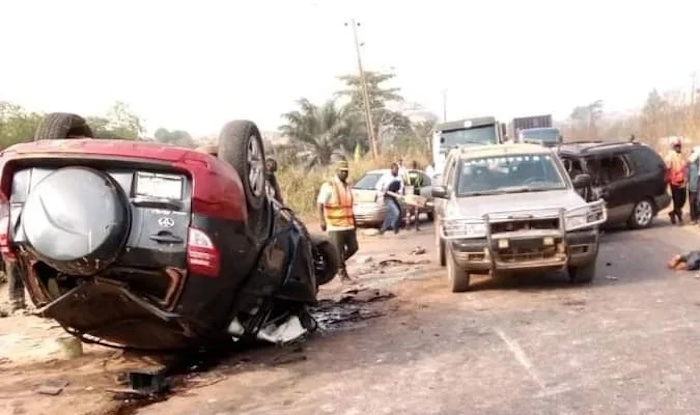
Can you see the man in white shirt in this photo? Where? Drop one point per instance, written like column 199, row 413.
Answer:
column 388, row 184
column 430, row 170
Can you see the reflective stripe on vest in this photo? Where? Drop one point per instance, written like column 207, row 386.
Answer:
column 338, row 211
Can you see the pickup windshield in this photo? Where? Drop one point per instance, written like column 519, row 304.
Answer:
column 469, row 136
column 509, row 174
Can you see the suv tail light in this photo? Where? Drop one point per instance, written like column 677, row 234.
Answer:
column 5, row 250
column 202, row 256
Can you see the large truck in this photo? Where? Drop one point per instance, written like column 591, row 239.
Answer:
column 465, row 132
column 536, row 129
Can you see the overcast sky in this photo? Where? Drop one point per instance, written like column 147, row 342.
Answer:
column 196, row 64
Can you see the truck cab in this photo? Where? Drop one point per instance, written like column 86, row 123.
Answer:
column 464, row 133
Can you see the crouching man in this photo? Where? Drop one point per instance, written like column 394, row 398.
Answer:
column 335, row 204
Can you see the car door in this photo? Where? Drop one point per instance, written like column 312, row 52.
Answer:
column 617, row 184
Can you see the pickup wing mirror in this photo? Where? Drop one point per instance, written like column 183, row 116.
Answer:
column 581, row 181
column 439, row 191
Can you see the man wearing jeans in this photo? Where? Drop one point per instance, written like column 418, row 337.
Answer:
column 335, row 203
column 388, row 187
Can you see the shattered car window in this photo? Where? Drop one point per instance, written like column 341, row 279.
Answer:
column 509, row 174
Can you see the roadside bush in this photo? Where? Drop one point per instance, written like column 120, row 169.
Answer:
column 300, row 186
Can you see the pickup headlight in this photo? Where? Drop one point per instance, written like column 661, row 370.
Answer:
column 576, row 221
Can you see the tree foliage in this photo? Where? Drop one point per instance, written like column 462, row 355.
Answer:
column 175, row 137
column 18, row 125
column 325, row 129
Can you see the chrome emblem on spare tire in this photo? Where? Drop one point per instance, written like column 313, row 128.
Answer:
column 166, row 222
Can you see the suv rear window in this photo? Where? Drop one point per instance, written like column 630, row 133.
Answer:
column 646, row 160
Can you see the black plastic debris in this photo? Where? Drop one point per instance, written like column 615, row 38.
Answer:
column 143, row 383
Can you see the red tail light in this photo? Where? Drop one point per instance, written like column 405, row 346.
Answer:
column 202, row 256
column 5, row 250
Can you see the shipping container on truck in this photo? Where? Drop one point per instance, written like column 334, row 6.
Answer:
column 537, row 121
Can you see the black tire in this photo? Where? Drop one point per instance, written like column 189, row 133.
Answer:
column 327, row 259
column 241, row 145
column 457, row 277
column 583, row 274
column 61, row 125
column 642, row 214
column 76, row 220
column 431, row 216
column 439, row 247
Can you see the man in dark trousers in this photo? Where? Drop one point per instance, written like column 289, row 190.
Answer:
column 388, row 186
column 335, row 204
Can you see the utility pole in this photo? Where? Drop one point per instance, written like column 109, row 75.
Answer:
column 365, row 95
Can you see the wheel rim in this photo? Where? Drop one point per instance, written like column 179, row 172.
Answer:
column 256, row 176
column 643, row 213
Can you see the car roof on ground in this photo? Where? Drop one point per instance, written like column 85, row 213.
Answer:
column 595, row 147
column 493, row 150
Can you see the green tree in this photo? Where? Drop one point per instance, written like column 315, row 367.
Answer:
column 386, row 122
column 326, row 129
column 16, row 124
column 587, row 118
column 175, row 137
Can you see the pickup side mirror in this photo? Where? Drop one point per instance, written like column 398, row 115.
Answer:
column 439, row 191
column 581, row 181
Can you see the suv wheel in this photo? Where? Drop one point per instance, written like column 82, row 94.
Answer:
column 583, row 273
column 642, row 214
column 62, row 125
column 458, row 278
column 241, row 145
column 439, row 246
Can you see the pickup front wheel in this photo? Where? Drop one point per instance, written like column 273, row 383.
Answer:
column 458, row 278
column 583, row 273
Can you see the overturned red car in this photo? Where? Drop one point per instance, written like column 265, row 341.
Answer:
column 147, row 246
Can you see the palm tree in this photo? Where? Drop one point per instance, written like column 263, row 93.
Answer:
column 326, row 128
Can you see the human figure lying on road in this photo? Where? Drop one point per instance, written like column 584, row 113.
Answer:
column 688, row 262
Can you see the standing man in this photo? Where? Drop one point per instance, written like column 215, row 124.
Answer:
column 387, row 184
column 271, row 184
column 337, row 218
column 430, row 170
column 15, row 286
column 693, row 172
column 677, row 179
column 415, row 180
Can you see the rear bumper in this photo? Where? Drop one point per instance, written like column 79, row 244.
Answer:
column 99, row 309
column 662, row 202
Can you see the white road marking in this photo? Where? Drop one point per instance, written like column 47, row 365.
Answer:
column 521, row 357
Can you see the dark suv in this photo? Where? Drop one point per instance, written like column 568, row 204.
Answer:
column 149, row 246
column 628, row 175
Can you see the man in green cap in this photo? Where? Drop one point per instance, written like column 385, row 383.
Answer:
column 335, row 203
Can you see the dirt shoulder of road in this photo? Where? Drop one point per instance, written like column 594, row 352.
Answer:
column 31, row 357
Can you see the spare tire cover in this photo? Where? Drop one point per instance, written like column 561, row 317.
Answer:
column 76, row 220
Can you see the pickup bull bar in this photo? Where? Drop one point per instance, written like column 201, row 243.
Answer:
column 581, row 217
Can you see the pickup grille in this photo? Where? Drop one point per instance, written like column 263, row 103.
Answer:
column 527, row 224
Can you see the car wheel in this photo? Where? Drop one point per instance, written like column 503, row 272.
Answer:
column 439, row 247
column 61, row 126
column 431, row 216
column 327, row 259
column 84, row 209
column 642, row 214
column 457, row 277
column 583, row 273
column 241, row 145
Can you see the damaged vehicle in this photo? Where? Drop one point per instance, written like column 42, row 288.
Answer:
column 629, row 176
column 148, row 246
column 511, row 208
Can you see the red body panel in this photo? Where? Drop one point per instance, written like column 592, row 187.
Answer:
column 217, row 190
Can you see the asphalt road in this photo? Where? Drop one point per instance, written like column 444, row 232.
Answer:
column 626, row 344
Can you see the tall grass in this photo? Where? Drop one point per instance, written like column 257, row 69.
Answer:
column 300, row 186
